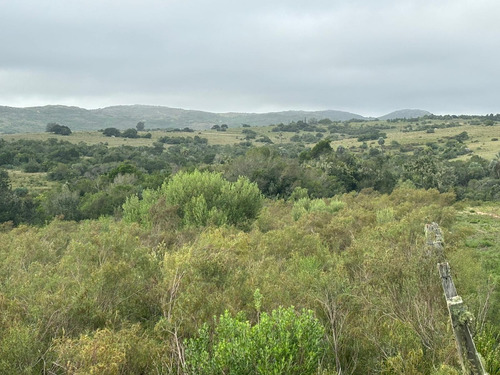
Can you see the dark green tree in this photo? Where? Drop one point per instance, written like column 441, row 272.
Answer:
column 111, row 132
column 55, row 128
column 130, row 133
column 140, row 126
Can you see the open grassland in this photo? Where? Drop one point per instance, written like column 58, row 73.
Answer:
column 37, row 182
column 93, row 137
column 482, row 222
column 483, row 140
column 480, row 138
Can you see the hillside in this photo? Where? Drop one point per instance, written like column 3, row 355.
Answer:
column 35, row 119
column 405, row 113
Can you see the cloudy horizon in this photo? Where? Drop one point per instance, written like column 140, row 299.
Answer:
column 369, row 58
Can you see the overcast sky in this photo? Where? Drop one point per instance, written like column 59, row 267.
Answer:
column 364, row 56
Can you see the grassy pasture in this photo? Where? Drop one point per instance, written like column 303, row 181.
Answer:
column 480, row 137
column 93, row 137
column 37, row 182
column 482, row 223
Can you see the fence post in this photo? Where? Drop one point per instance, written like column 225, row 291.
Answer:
column 460, row 317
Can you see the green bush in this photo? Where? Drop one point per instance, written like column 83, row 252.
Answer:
column 306, row 205
column 283, row 342
column 201, row 198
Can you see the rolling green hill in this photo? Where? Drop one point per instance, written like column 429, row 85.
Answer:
column 405, row 113
column 35, row 119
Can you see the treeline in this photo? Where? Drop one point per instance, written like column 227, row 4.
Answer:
column 95, row 180
column 127, row 133
column 91, row 180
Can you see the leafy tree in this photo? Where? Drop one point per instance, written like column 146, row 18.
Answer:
column 63, row 203
column 320, row 148
column 58, row 129
column 463, row 136
column 427, row 172
column 275, row 175
column 495, row 166
column 65, row 153
column 123, row 169
column 61, row 172
column 32, row 166
column 64, row 130
column 264, row 139
column 129, row 133
column 249, row 134
column 140, row 126
column 51, row 126
column 325, row 121
column 111, row 132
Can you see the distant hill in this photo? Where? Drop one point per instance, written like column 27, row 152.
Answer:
column 35, row 119
column 405, row 113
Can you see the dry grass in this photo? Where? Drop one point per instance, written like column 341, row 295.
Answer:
column 480, row 137
column 37, row 182
column 94, row 137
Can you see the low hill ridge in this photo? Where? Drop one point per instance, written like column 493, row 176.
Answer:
column 35, row 119
column 405, row 113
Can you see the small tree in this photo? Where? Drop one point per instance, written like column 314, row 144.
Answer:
column 111, row 132
column 320, row 148
column 64, row 130
column 130, row 133
column 51, row 126
column 55, row 128
column 140, row 126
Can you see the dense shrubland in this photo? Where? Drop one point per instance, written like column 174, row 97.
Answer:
column 346, row 286
column 203, row 259
column 94, row 180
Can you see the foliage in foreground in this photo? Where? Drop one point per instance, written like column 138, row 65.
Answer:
column 282, row 342
column 115, row 297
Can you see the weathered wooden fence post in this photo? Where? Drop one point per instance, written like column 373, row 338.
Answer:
column 460, row 317
column 434, row 239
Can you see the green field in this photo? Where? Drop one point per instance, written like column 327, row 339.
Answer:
column 481, row 138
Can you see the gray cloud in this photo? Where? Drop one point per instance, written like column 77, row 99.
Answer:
column 220, row 55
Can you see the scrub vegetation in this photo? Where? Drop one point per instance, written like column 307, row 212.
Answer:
column 198, row 256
